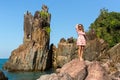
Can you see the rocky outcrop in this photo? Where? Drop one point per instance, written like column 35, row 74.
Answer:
column 33, row 54
column 112, row 58
column 94, row 49
column 64, row 53
column 79, row 70
column 115, row 76
column 2, row 76
column 67, row 50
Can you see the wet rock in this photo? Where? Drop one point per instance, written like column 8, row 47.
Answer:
column 2, row 76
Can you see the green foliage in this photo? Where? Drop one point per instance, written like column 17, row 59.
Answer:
column 44, row 15
column 47, row 29
column 107, row 26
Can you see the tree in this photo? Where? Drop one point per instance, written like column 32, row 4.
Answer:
column 107, row 26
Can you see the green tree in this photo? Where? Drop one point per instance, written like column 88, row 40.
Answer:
column 107, row 26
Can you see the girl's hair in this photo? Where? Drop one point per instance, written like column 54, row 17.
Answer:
column 80, row 26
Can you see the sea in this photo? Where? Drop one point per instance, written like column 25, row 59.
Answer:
column 22, row 75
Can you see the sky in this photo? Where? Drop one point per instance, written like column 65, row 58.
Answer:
column 65, row 14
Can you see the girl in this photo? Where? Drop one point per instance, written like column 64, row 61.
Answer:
column 81, row 41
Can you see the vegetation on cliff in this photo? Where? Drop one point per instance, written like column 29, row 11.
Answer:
column 44, row 14
column 33, row 54
column 45, row 17
column 107, row 26
column 48, row 30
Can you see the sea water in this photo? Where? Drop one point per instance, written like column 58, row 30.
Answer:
column 22, row 75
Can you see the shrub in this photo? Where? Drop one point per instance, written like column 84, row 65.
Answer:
column 44, row 15
column 107, row 27
column 47, row 29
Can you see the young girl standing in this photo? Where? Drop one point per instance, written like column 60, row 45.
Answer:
column 81, row 40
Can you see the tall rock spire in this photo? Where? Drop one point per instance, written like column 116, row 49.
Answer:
column 33, row 54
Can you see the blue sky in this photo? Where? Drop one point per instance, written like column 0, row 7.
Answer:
column 65, row 15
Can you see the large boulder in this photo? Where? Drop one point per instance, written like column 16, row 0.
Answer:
column 97, row 72
column 33, row 54
column 78, row 70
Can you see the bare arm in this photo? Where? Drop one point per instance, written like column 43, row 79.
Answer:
column 76, row 27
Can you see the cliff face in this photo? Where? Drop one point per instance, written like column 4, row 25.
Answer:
column 64, row 53
column 33, row 54
column 94, row 49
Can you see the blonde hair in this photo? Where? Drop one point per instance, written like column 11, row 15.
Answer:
column 80, row 27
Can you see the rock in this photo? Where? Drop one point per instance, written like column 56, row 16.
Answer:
column 62, row 76
column 62, row 40
column 79, row 70
column 94, row 49
column 54, row 76
column 33, row 54
column 65, row 51
column 2, row 76
column 70, row 40
column 54, row 55
column 111, row 59
column 114, row 56
column 44, row 77
column 44, row 8
column 65, row 76
column 116, row 75
column 76, row 69
column 96, row 72
column 68, row 50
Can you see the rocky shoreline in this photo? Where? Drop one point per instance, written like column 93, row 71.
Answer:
column 36, row 54
column 79, row 70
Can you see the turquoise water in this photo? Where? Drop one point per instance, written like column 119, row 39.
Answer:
column 22, row 75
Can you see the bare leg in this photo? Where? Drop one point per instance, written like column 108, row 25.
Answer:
column 79, row 52
column 82, row 48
